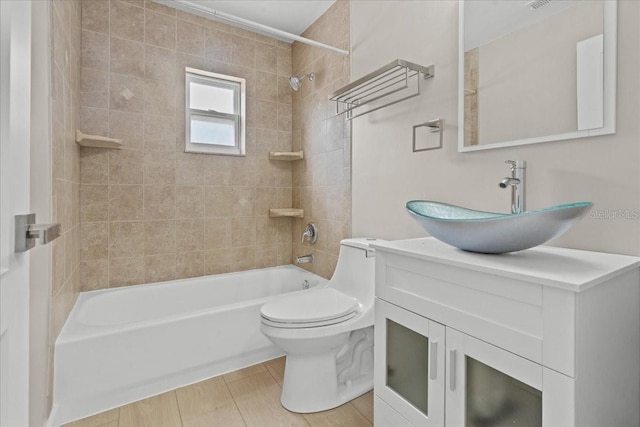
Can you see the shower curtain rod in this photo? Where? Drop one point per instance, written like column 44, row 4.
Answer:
column 193, row 7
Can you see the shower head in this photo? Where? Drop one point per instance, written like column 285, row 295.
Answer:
column 536, row 4
column 295, row 81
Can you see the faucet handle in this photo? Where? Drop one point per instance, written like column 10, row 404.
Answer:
column 517, row 164
column 310, row 233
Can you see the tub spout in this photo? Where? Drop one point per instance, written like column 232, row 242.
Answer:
column 304, row 259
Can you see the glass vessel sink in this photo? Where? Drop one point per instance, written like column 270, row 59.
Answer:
column 495, row 233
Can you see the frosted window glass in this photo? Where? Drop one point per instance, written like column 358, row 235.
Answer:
column 498, row 400
column 213, row 130
column 203, row 97
column 407, row 364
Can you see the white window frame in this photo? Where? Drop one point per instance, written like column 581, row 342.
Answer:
column 216, row 80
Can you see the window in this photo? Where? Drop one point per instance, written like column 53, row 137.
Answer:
column 215, row 113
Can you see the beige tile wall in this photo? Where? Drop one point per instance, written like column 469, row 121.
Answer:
column 151, row 212
column 65, row 88
column 322, row 182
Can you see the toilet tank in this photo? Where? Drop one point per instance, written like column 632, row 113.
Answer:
column 354, row 274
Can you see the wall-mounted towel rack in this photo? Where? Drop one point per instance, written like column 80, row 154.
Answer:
column 395, row 77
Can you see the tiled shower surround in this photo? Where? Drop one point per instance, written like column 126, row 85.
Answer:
column 65, row 164
column 152, row 212
column 322, row 182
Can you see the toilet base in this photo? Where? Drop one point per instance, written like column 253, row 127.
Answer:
column 318, row 382
column 303, row 394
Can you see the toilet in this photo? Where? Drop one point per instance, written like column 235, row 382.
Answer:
column 327, row 334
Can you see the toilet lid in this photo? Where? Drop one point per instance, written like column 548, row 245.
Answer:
column 316, row 305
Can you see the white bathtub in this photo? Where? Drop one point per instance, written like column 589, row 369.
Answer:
column 121, row 345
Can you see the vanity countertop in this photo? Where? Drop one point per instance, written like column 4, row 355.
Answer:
column 569, row 269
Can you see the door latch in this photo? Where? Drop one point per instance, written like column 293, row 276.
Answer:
column 27, row 232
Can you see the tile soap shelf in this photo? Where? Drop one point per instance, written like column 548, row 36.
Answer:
column 96, row 141
column 396, row 77
column 286, row 212
column 287, row 156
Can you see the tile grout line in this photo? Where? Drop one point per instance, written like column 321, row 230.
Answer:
column 357, row 409
column 109, row 163
column 233, row 399
column 280, row 388
column 272, row 375
column 175, row 162
column 175, row 396
column 235, row 404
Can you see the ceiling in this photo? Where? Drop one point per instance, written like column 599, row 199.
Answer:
column 488, row 20
column 293, row 16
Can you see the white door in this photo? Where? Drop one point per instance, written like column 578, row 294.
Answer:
column 409, row 366
column 15, row 76
column 490, row 386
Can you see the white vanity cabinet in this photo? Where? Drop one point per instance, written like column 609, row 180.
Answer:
column 544, row 337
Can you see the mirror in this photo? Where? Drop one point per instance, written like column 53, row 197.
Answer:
column 535, row 71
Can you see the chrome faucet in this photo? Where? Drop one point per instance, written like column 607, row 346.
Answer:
column 516, row 182
column 310, row 233
column 304, row 259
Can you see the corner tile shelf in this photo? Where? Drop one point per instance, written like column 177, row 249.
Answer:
column 96, row 141
column 287, row 212
column 287, row 156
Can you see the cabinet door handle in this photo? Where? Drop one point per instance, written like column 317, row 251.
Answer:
column 452, row 370
column 433, row 360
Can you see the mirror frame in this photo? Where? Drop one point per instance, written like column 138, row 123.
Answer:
column 609, row 79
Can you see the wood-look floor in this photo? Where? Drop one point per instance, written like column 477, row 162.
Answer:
column 248, row 397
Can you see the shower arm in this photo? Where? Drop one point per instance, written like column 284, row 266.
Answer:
column 193, row 7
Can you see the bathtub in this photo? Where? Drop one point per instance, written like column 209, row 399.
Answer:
column 125, row 344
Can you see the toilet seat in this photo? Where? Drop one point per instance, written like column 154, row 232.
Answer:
column 313, row 308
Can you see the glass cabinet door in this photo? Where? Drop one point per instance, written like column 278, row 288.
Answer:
column 488, row 386
column 409, row 364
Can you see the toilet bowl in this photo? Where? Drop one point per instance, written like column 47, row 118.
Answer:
column 327, row 334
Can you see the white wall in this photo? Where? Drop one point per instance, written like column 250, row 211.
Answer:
column 386, row 174
column 40, row 271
